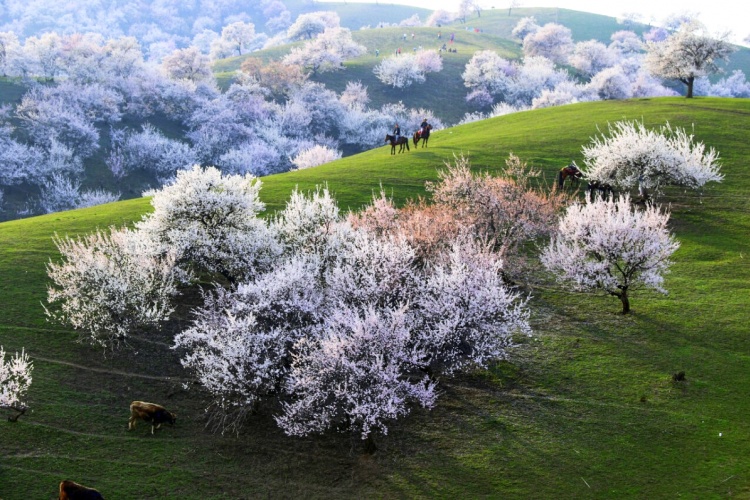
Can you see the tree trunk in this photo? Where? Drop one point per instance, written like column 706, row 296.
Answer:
column 690, row 82
column 369, row 445
column 20, row 411
column 625, row 301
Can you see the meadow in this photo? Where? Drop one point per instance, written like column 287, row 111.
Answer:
column 585, row 408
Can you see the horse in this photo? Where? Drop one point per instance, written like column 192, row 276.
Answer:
column 402, row 141
column 601, row 188
column 423, row 136
column 569, row 171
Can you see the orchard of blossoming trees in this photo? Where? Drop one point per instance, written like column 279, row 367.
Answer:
column 347, row 322
column 319, row 302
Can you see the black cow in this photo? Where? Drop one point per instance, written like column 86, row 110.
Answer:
column 70, row 490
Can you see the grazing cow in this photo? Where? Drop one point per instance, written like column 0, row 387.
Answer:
column 149, row 412
column 74, row 491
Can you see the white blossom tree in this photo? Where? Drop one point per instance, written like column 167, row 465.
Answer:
column 314, row 156
column 327, row 52
column 591, row 57
column 467, row 315
column 626, row 43
column 487, row 72
column 109, row 284
column 524, row 27
column 612, row 246
column 151, row 151
column 44, row 53
column 59, row 192
column 635, row 156
column 10, row 51
column 187, row 64
column 15, row 380
column 239, row 345
column 531, row 78
column 687, row 54
column 407, row 69
column 210, row 222
column 309, row 223
column 355, row 95
column 49, row 117
column 735, row 85
column 553, row 41
column 239, row 35
column 611, row 83
column 440, row 17
column 306, row 26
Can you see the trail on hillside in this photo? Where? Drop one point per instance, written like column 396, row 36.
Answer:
column 108, row 371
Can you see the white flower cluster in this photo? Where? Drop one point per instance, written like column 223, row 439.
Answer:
column 15, row 379
column 633, row 155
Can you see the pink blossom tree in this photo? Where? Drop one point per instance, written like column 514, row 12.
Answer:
column 355, row 375
column 239, row 345
column 612, row 246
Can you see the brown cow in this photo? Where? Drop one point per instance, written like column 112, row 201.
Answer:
column 74, row 491
column 149, row 412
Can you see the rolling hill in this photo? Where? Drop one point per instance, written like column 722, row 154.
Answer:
column 586, row 408
column 444, row 92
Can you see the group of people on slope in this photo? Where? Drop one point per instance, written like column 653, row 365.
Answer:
column 422, row 128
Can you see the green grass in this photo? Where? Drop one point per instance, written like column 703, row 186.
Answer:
column 585, row 408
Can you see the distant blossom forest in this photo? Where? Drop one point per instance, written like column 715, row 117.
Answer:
column 128, row 93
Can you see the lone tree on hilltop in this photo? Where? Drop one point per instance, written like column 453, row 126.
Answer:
column 687, row 54
column 608, row 245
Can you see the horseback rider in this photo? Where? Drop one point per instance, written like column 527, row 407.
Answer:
column 423, row 127
column 397, row 132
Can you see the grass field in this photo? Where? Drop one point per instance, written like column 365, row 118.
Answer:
column 586, row 408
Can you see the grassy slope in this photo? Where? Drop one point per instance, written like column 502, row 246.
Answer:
column 586, row 408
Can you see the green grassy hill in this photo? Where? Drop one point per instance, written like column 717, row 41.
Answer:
column 587, row 408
